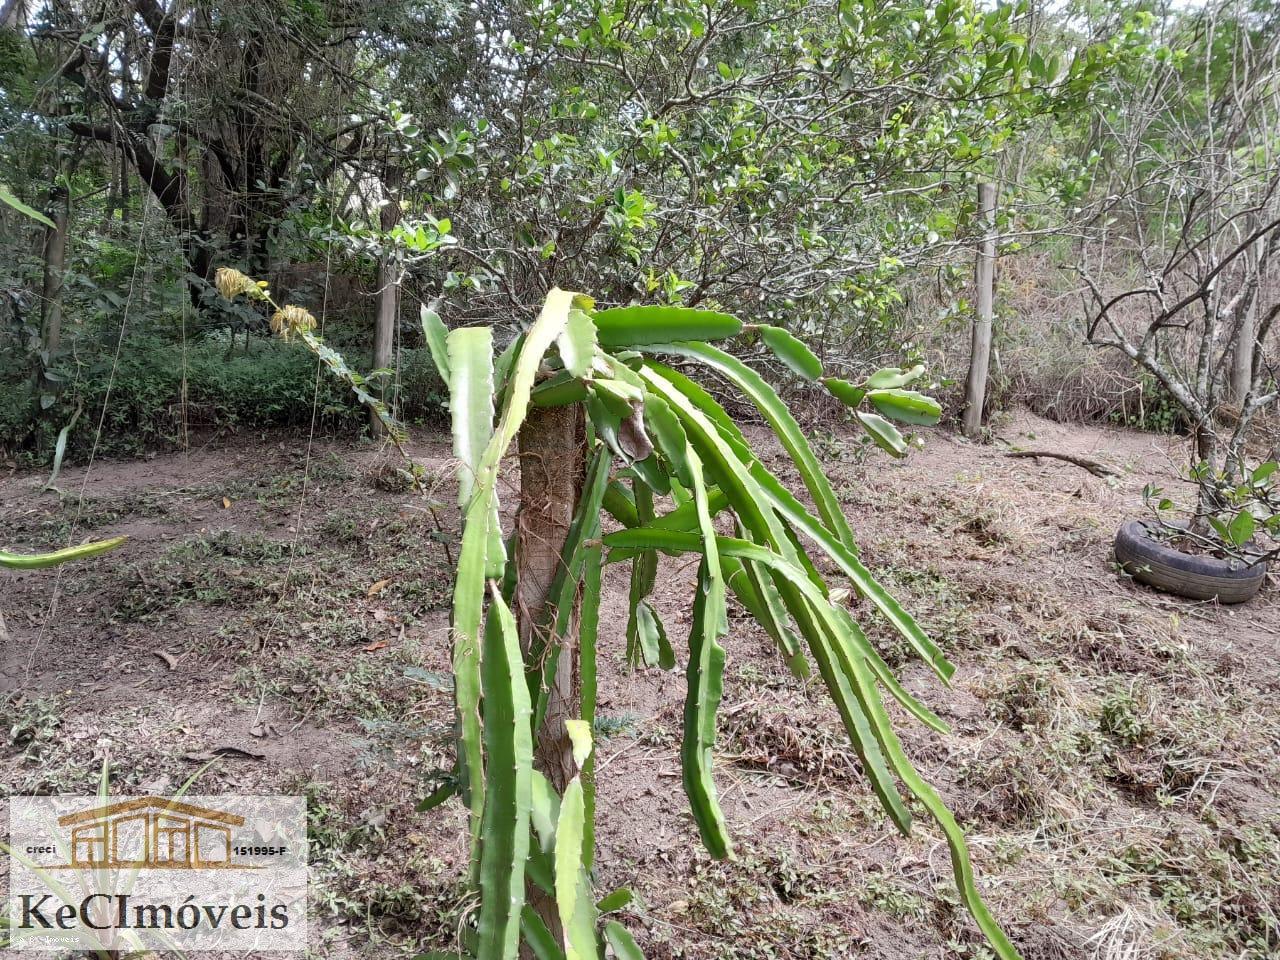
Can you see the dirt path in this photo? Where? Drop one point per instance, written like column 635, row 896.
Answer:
column 1113, row 754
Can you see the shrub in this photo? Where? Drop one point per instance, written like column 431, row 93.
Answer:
column 273, row 384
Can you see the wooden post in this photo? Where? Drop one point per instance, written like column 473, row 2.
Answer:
column 975, row 388
column 388, row 294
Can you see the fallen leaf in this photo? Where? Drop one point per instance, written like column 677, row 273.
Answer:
column 378, row 587
column 379, row 645
column 168, row 658
column 226, row 503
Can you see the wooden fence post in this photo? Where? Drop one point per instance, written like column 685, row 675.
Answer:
column 975, row 388
column 388, row 315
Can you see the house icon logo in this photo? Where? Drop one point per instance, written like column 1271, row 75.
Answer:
column 152, row 833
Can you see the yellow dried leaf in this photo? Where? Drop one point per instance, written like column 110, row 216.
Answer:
column 291, row 319
column 378, row 587
column 232, row 283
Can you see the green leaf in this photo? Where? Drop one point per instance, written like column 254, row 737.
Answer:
column 540, row 872
column 851, row 712
column 476, row 559
column 683, row 517
column 696, row 395
column 7, row 197
column 502, row 366
column 906, row 406
column 617, row 900
column 1241, row 528
column 624, row 947
column 705, row 681
column 653, row 636
column 606, row 423
column 777, row 497
column 38, row 561
column 508, row 744
column 544, row 332
column 619, row 504
column 784, row 425
column 632, row 326
column 573, row 898
column 715, row 441
column 544, row 811
column 844, row 391
column 1220, row 528
column 588, row 632
column 794, row 513
column 470, row 360
column 60, row 448
column 538, row 937
column 559, row 390
column 652, row 472
column 849, row 564
column 1264, row 471
column 578, row 343
column 891, row 377
column 436, row 335
column 668, row 436
column 617, row 395
column 642, row 646
column 791, row 351
column 760, row 597
column 884, row 433
column 437, row 797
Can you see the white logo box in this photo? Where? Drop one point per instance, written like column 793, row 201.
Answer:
column 136, row 873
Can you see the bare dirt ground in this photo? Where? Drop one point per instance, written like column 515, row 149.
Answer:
column 1115, row 754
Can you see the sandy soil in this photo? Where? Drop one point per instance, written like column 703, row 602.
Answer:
column 1114, row 752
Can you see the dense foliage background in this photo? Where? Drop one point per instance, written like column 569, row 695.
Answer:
column 788, row 165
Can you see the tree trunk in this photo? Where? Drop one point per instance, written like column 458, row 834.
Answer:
column 975, row 391
column 388, row 298
column 113, row 189
column 1208, row 454
column 125, row 199
column 12, row 12
column 55, row 257
column 1242, row 354
column 552, row 466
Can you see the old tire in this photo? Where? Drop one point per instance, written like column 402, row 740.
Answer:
column 1196, row 577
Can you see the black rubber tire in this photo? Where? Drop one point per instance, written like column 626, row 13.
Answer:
column 1186, row 575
